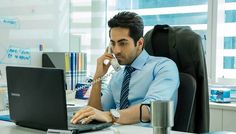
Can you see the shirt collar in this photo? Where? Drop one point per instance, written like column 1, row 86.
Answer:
column 140, row 61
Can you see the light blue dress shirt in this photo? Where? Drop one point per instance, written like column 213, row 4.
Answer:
column 155, row 78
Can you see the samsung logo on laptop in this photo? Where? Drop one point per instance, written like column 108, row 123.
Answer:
column 15, row 94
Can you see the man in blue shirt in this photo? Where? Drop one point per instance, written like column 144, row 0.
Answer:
column 151, row 78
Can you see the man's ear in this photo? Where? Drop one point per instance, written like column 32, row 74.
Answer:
column 140, row 42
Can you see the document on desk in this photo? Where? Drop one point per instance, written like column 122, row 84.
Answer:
column 76, row 103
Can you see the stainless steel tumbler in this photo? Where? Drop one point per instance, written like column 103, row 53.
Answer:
column 162, row 116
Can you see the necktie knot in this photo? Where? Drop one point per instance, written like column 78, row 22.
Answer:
column 129, row 69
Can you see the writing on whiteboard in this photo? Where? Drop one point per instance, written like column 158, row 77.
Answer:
column 9, row 23
column 15, row 55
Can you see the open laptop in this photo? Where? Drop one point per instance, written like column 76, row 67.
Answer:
column 37, row 100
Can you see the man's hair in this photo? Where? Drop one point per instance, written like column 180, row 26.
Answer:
column 129, row 20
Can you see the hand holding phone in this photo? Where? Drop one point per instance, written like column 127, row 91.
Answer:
column 114, row 61
column 115, row 64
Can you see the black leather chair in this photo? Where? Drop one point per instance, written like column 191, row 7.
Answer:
column 184, row 47
column 186, row 95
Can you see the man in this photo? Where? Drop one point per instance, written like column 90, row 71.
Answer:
column 144, row 79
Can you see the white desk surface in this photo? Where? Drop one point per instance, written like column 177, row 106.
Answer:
column 227, row 106
column 11, row 128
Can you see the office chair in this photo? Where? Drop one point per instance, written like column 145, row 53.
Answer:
column 184, row 47
column 186, row 95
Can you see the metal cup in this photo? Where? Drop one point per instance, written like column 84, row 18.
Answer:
column 162, row 116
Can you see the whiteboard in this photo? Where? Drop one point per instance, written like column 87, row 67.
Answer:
column 28, row 28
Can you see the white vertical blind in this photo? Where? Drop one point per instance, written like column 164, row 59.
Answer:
column 88, row 23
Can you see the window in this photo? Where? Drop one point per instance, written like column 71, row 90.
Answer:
column 87, row 32
column 225, row 40
column 180, row 12
column 204, row 17
column 213, row 20
column 230, row 39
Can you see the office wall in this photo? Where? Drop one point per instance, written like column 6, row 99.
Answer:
column 27, row 28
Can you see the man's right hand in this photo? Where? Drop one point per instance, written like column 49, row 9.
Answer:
column 102, row 69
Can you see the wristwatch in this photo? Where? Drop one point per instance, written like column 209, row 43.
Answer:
column 115, row 114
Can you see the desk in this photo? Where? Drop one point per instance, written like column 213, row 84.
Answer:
column 222, row 116
column 11, row 128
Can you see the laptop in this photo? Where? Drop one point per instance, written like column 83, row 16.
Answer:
column 37, row 100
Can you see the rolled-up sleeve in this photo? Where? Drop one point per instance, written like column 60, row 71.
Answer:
column 107, row 99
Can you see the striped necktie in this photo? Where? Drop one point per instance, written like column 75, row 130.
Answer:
column 124, row 103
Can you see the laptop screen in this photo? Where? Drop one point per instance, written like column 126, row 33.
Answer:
column 37, row 97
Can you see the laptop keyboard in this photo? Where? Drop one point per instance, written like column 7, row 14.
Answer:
column 94, row 125
column 84, row 126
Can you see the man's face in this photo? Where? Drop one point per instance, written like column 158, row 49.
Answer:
column 123, row 45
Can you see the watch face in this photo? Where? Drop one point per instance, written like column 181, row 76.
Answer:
column 115, row 113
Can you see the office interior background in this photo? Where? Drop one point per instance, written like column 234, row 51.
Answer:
column 77, row 25
column 213, row 20
column 81, row 26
